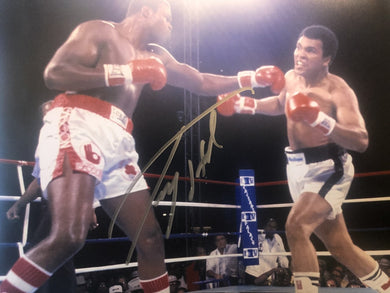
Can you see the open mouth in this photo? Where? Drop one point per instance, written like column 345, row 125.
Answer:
column 299, row 63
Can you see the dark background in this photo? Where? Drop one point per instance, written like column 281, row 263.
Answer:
column 221, row 37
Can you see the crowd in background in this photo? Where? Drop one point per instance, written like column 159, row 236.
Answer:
column 191, row 276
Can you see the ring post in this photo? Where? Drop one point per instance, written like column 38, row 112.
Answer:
column 248, row 226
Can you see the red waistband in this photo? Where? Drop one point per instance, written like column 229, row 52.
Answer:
column 95, row 105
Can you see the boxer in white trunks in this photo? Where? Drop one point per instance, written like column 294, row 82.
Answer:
column 86, row 151
column 323, row 121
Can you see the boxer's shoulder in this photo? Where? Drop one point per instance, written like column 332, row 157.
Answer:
column 294, row 82
column 291, row 77
column 336, row 82
column 337, row 87
column 290, row 74
column 95, row 28
column 98, row 23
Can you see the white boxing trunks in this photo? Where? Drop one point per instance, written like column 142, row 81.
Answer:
column 326, row 170
column 96, row 137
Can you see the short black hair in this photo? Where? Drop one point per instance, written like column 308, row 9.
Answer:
column 328, row 38
column 272, row 220
column 136, row 5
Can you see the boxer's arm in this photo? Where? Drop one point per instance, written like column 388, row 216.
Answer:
column 205, row 84
column 271, row 106
column 185, row 76
column 73, row 66
column 350, row 131
column 31, row 193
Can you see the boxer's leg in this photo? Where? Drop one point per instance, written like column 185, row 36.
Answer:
column 70, row 200
column 308, row 212
column 335, row 236
column 150, row 244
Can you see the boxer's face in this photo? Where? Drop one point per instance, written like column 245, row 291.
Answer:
column 161, row 24
column 308, row 57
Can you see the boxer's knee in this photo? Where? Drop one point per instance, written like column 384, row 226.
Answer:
column 69, row 240
column 297, row 229
column 151, row 240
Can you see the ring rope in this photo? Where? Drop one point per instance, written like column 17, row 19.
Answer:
column 224, row 206
column 186, row 259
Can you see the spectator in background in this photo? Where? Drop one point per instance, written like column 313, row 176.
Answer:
column 123, row 281
column 263, row 274
column 134, row 284
column 331, row 282
column 282, row 277
column 195, row 271
column 176, row 270
column 174, row 284
column 353, row 281
column 337, row 274
column 324, row 273
column 116, row 288
column 384, row 264
column 224, row 269
column 102, row 288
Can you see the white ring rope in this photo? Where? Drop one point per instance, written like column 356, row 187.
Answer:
column 27, row 213
column 192, row 258
column 224, row 206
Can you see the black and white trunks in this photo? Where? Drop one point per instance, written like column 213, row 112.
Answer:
column 326, row 170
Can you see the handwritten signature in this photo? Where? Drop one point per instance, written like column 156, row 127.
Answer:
column 171, row 187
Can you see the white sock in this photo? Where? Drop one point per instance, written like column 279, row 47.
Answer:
column 377, row 280
column 306, row 282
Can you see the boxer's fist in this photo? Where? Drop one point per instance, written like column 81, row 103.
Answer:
column 302, row 108
column 236, row 104
column 263, row 77
column 150, row 70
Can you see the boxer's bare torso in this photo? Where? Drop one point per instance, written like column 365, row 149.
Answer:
column 301, row 135
column 93, row 44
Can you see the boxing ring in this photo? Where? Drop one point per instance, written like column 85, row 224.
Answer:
column 270, row 289
column 196, row 234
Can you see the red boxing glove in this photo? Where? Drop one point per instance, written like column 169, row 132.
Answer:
column 150, row 70
column 262, row 77
column 236, row 104
column 303, row 108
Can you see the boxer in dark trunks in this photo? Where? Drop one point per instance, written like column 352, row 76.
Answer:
column 323, row 121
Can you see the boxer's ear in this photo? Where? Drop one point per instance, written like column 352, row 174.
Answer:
column 326, row 61
column 146, row 11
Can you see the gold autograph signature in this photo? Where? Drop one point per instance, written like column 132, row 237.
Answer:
column 171, row 187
